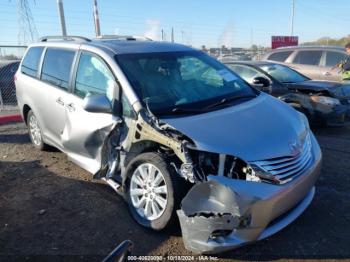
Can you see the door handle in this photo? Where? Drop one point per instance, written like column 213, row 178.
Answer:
column 327, row 74
column 71, row 107
column 60, row 101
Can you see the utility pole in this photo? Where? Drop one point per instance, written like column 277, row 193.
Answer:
column 182, row 36
column 61, row 16
column 162, row 34
column 292, row 19
column 96, row 20
column 251, row 37
column 172, row 34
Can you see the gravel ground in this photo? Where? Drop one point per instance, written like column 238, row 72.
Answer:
column 51, row 210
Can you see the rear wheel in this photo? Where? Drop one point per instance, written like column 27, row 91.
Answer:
column 153, row 191
column 35, row 132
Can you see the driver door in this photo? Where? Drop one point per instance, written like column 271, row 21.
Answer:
column 85, row 132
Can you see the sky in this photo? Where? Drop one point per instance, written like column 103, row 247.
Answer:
column 238, row 23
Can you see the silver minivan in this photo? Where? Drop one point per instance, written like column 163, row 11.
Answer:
column 316, row 62
column 173, row 131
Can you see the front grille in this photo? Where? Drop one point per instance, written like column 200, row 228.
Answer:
column 283, row 169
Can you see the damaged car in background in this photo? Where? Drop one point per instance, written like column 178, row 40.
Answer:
column 325, row 103
column 175, row 132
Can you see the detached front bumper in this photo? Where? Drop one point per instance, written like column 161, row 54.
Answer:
column 333, row 116
column 338, row 116
column 224, row 213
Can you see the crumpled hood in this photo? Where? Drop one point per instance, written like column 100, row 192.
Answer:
column 334, row 89
column 258, row 129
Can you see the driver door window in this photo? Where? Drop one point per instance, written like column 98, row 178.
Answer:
column 94, row 77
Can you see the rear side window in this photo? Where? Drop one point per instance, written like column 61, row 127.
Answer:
column 311, row 57
column 57, row 67
column 333, row 58
column 93, row 76
column 31, row 61
column 280, row 56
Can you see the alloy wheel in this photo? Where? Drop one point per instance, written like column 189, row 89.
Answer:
column 34, row 130
column 148, row 191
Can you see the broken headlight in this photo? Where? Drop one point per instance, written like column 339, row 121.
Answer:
column 207, row 163
column 325, row 100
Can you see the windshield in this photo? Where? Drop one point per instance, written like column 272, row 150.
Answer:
column 169, row 81
column 283, row 74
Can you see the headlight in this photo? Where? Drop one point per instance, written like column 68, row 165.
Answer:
column 325, row 100
column 303, row 118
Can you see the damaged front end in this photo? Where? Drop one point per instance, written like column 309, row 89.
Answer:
column 228, row 211
column 321, row 106
column 232, row 202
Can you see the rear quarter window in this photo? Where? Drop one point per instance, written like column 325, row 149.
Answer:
column 31, row 61
column 57, row 67
column 279, row 56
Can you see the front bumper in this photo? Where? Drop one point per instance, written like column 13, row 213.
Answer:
column 224, row 213
column 338, row 116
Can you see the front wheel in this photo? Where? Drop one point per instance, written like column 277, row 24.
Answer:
column 153, row 190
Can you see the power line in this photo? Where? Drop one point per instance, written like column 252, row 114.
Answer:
column 27, row 31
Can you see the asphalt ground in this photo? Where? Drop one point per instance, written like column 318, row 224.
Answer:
column 50, row 209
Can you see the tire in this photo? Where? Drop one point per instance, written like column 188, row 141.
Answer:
column 35, row 132
column 175, row 189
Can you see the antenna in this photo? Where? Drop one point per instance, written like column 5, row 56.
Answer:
column 27, row 31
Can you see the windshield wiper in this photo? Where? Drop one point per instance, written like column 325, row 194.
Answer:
column 186, row 110
column 229, row 100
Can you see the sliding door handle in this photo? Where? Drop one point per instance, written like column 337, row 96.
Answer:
column 60, row 101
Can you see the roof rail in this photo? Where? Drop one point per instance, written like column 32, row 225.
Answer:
column 67, row 38
column 124, row 37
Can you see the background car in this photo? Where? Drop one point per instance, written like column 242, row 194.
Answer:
column 315, row 62
column 7, row 85
column 323, row 102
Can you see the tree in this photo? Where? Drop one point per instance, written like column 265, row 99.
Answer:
column 254, row 47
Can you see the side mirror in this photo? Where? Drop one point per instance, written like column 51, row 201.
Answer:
column 261, row 81
column 97, row 104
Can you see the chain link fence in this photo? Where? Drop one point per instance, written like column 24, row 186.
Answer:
column 10, row 57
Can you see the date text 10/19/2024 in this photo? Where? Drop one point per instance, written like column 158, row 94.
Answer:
column 172, row 258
